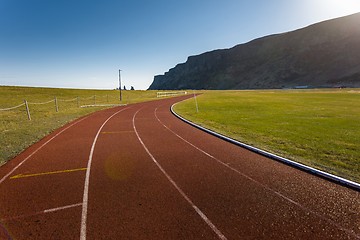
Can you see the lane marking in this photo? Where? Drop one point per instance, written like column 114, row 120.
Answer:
column 23, row 161
column 118, row 132
column 42, row 212
column 197, row 210
column 47, row 173
column 62, row 208
column 87, row 179
column 261, row 184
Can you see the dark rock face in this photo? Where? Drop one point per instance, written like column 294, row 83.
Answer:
column 326, row 54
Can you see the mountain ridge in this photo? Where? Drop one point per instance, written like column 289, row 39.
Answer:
column 325, row 54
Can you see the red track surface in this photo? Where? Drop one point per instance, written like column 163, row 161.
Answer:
column 152, row 176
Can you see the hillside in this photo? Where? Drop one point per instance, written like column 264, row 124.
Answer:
column 325, row 54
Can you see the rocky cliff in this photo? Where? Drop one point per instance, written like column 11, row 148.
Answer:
column 325, row 54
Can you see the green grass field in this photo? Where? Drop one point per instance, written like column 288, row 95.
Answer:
column 320, row 128
column 17, row 132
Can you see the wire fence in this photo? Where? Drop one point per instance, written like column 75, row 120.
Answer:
column 57, row 101
column 41, row 103
column 12, row 108
column 169, row 94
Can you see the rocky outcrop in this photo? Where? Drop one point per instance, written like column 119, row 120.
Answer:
column 326, row 54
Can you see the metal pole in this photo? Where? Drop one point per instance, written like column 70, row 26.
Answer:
column 120, row 85
column 27, row 109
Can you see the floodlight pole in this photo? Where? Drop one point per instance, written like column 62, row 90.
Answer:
column 120, row 85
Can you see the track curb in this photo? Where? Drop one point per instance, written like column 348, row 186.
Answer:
column 305, row 168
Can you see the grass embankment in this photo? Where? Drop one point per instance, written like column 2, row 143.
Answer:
column 320, row 128
column 17, row 132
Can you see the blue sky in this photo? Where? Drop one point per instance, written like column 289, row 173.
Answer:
column 82, row 44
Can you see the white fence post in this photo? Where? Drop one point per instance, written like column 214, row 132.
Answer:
column 197, row 108
column 27, row 109
column 56, row 105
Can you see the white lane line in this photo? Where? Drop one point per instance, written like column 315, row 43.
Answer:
column 42, row 212
column 23, row 161
column 197, row 210
column 87, row 179
column 261, row 184
column 62, row 208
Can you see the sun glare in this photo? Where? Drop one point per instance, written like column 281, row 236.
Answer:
column 338, row 7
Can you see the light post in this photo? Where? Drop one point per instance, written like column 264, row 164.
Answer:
column 120, row 85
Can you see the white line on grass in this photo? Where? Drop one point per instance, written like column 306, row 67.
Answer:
column 259, row 183
column 197, row 210
column 23, row 161
column 87, row 180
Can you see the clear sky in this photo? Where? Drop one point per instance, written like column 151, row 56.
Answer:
column 83, row 43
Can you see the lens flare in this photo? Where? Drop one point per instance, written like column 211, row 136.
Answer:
column 119, row 166
column 333, row 8
column 4, row 234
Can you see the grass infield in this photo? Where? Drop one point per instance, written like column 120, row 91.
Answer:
column 17, row 132
column 319, row 128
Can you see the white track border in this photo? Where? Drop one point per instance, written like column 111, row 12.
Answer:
column 314, row 171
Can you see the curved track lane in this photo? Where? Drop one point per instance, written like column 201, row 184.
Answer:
column 137, row 172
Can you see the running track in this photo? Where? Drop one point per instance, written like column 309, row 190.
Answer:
column 137, row 172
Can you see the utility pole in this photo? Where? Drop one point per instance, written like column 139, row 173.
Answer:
column 120, row 85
